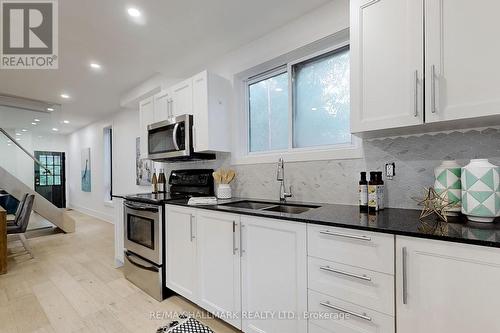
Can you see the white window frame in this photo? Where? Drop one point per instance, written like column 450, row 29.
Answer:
column 351, row 150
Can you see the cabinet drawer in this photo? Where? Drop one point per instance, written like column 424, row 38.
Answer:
column 356, row 318
column 360, row 286
column 316, row 329
column 370, row 250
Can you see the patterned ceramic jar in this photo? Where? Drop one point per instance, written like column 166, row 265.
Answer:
column 449, row 185
column 224, row 191
column 481, row 191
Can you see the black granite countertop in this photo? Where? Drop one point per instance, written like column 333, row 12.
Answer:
column 395, row 221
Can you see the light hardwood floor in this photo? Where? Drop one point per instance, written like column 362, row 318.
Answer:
column 72, row 286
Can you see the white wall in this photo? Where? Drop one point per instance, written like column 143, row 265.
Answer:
column 125, row 126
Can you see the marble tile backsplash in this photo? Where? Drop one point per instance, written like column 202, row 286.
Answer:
column 335, row 181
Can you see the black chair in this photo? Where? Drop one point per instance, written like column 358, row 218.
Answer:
column 21, row 222
column 11, row 219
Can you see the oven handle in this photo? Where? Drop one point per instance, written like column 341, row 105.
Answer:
column 143, row 208
column 176, row 128
column 151, row 268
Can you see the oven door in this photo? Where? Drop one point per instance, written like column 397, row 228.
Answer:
column 170, row 138
column 143, row 230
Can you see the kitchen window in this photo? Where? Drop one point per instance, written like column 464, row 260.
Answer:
column 301, row 107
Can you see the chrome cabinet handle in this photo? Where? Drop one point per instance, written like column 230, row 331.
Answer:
column 339, row 234
column 338, row 308
column 433, row 89
column 329, row 269
column 191, row 235
column 241, row 239
column 234, row 238
column 415, row 101
column 174, row 135
column 405, row 276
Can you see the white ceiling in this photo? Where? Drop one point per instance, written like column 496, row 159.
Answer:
column 173, row 37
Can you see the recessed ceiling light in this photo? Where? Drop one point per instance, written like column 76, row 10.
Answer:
column 37, row 120
column 18, row 134
column 18, row 139
column 33, row 123
column 55, row 129
column 314, row 109
column 8, row 141
column 50, row 109
column 133, row 12
column 95, row 65
column 65, row 96
column 24, row 130
column 278, row 89
column 9, row 144
column 66, row 121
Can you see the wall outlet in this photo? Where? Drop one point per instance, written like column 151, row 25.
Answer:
column 390, row 170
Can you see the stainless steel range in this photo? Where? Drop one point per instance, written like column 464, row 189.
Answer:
column 144, row 224
column 144, row 219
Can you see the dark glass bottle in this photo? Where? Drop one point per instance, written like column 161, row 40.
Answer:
column 154, row 182
column 162, row 182
column 363, row 192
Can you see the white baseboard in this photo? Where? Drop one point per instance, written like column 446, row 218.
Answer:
column 94, row 213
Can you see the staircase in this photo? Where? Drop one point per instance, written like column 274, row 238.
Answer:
column 16, row 177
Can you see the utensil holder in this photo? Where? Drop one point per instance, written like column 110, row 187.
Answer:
column 224, row 191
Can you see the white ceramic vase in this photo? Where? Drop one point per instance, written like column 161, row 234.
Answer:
column 481, row 191
column 449, row 185
column 224, row 191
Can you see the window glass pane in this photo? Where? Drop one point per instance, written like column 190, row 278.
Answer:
column 50, row 180
column 269, row 114
column 50, row 160
column 57, row 160
column 321, row 96
column 43, row 159
column 43, row 180
column 57, row 170
column 57, row 180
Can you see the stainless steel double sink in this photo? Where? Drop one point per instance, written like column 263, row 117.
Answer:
column 271, row 206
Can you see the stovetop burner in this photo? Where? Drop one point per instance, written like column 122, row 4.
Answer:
column 184, row 184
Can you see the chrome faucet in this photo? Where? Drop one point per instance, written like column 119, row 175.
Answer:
column 280, row 176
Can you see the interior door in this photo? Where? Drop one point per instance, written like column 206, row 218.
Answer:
column 462, row 52
column 386, row 64
column 51, row 185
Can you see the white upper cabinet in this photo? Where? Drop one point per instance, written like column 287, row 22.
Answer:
column 446, row 287
column 387, row 64
column 182, row 98
column 146, row 117
column 210, row 108
column 463, row 51
column 162, row 109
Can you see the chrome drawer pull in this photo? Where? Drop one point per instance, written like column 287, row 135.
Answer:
column 362, row 316
column 329, row 269
column 331, row 233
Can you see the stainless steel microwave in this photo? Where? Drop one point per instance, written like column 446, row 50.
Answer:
column 172, row 140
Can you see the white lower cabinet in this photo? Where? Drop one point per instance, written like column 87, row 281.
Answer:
column 181, row 251
column 274, row 275
column 218, row 262
column 346, row 317
column 446, row 287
